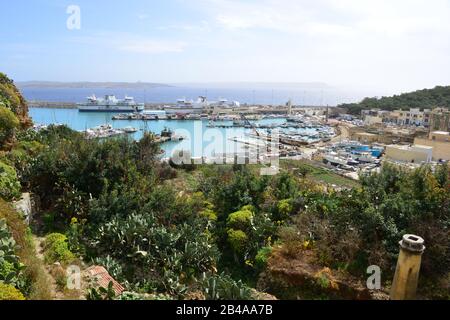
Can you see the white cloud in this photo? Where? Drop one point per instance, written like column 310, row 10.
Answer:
column 388, row 43
column 321, row 17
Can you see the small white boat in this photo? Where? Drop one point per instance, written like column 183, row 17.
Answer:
column 130, row 130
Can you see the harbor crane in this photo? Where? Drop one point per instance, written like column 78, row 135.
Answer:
column 251, row 125
column 265, row 139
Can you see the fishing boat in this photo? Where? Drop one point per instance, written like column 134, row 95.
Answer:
column 170, row 135
column 103, row 131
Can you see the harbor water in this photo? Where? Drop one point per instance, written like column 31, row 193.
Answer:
column 200, row 139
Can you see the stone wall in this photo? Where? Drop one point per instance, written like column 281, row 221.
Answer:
column 441, row 149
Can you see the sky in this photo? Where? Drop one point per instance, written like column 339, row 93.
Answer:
column 396, row 44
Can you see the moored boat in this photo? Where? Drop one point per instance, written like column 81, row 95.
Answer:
column 110, row 104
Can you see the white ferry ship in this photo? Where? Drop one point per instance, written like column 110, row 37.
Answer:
column 185, row 106
column 110, row 104
column 202, row 105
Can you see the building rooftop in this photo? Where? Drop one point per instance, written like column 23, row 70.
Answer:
column 407, row 147
column 365, row 134
column 102, row 279
column 419, row 146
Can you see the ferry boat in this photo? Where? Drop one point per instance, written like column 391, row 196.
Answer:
column 223, row 103
column 200, row 106
column 185, row 106
column 110, row 104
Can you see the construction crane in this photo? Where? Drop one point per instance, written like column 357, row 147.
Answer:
column 265, row 141
column 251, row 125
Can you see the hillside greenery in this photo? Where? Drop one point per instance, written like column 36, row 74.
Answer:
column 177, row 232
column 438, row 97
column 12, row 99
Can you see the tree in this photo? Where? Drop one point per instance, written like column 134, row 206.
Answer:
column 426, row 99
column 11, row 98
column 8, row 124
column 9, row 184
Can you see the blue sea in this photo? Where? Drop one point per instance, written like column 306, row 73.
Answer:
column 278, row 95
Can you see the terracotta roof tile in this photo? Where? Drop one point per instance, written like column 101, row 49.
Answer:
column 103, row 278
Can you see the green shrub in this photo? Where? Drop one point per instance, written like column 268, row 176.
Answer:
column 49, row 221
column 33, row 280
column 57, row 249
column 211, row 215
column 237, row 239
column 8, row 124
column 8, row 292
column 284, row 208
column 262, row 257
column 53, row 238
column 21, row 156
column 9, row 184
column 6, row 268
column 248, row 207
column 240, row 220
column 223, row 287
column 10, row 266
column 102, row 293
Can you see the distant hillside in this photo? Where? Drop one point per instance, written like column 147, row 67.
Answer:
column 427, row 98
column 11, row 98
column 88, row 85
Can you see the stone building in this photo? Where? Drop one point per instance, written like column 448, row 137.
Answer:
column 409, row 154
column 440, row 141
column 440, row 120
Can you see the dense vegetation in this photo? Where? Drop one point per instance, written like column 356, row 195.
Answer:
column 111, row 200
column 21, row 272
column 187, row 233
column 353, row 229
column 439, row 97
column 12, row 99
